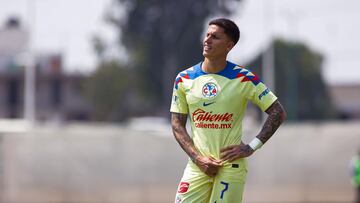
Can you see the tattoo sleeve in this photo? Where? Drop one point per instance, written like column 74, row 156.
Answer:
column 178, row 123
column 276, row 116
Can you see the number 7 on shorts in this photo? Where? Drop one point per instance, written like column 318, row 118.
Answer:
column 226, row 186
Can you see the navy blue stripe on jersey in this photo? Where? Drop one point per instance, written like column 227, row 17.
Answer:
column 229, row 72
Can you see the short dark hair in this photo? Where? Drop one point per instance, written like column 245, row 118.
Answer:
column 230, row 28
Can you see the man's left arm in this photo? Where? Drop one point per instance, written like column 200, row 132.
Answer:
column 276, row 116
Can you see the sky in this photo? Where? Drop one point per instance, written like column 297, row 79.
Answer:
column 330, row 27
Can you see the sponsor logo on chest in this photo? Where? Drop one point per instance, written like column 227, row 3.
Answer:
column 204, row 119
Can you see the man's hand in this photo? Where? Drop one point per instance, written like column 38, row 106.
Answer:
column 208, row 165
column 234, row 152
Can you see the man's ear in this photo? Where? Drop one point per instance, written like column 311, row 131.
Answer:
column 230, row 45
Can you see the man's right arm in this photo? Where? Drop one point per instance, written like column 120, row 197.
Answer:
column 208, row 165
column 178, row 123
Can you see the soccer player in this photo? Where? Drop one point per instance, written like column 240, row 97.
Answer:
column 214, row 94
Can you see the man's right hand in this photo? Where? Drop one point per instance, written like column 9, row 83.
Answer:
column 208, row 165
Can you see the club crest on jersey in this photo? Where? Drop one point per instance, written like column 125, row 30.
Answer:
column 209, row 90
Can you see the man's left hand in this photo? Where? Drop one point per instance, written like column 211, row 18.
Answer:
column 234, row 152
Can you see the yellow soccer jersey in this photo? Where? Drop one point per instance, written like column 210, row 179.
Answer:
column 216, row 104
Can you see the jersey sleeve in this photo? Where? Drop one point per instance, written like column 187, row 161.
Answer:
column 262, row 96
column 178, row 103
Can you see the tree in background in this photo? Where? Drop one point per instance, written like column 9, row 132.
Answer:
column 106, row 90
column 299, row 83
column 161, row 37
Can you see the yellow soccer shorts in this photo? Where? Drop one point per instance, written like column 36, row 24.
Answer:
column 226, row 187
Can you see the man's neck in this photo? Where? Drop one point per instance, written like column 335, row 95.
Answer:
column 213, row 66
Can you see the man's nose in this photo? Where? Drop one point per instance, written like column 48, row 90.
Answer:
column 207, row 39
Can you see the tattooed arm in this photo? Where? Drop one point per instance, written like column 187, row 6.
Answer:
column 178, row 123
column 206, row 164
column 276, row 115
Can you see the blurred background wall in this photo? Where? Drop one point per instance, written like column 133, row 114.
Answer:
column 85, row 89
column 307, row 162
